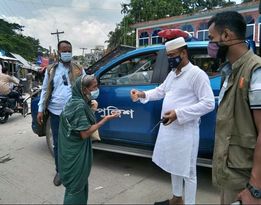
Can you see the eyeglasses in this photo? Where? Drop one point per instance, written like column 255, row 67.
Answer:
column 65, row 82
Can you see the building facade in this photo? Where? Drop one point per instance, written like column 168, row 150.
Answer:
column 196, row 24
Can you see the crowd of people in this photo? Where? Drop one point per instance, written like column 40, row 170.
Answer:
column 68, row 96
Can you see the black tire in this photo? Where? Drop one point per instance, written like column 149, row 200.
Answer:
column 49, row 137
column 3, row 119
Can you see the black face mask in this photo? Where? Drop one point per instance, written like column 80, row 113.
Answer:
column 215, row 50
column 222, row 52
column 174, row 62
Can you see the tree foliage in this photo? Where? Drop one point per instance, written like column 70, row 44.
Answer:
column 146, row 10
column 13, row 41
column 191, row 6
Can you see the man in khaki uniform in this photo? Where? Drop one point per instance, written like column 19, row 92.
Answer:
column 237, row 152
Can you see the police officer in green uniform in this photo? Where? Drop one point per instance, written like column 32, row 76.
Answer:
column 237, row 152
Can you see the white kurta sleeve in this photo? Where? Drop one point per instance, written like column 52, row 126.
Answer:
column 157, row 93
column 206, row 100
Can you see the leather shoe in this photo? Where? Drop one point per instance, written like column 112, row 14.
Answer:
column 166, row 202
column 57, row 180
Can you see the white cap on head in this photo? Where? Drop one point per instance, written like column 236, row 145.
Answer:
column 175, row 44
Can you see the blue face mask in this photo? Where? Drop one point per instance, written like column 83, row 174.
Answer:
column 174, row 62
column 95, row 94
column 66, row 57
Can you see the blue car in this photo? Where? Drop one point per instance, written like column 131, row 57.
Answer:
column 143, row 69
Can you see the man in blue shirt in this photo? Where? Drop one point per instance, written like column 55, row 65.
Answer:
column 56, row 91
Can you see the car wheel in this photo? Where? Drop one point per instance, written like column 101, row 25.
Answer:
column 3, row 119
column 49, row 137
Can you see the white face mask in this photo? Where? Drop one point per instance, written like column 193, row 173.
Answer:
column 95, row 94
column 66, row 57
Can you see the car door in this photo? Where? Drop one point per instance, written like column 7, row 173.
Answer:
column 142, row 71
column 211, row 66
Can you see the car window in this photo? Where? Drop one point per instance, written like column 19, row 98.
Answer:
column 136, row 70
column 209, row 65
column 205, row 62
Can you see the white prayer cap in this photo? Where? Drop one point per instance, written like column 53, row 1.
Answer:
column 175, row 44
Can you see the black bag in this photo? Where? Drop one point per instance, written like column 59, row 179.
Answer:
column 41, row 129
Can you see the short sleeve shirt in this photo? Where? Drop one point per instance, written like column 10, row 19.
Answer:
column 254, row 92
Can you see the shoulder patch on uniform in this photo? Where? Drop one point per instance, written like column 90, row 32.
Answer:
column 241, row 82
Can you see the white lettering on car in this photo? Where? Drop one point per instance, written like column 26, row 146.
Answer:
column 110, row 109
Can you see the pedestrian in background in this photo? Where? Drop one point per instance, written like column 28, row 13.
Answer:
column 187, row 96
column 237, row 152
column 77, row 124
column 56, row 91
column 6, row 87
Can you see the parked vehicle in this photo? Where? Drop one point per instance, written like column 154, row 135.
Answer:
column 8, row 105
column 143, row 69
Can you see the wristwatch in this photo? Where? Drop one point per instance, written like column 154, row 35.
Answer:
column 255, row 192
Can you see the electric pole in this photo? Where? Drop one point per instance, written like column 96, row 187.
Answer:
column 57, row 34
column 83, row 49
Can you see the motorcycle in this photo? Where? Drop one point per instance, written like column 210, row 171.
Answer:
column 8, row 105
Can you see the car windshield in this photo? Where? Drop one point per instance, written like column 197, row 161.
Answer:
column 200, row 58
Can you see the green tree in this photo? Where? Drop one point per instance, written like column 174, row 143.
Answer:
column 138, row 11
column 12, row 41
column 146, row 10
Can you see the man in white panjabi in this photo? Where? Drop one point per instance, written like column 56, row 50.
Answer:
column 187, row 96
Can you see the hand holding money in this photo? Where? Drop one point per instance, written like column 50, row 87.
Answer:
column 94, row 105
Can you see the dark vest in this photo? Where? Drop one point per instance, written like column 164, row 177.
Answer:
column 236, row 134
column 75, row 71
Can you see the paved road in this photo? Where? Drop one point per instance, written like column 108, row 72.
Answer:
column 27, row 170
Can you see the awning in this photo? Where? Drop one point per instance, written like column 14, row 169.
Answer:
column 8, row 58
column 22, row 60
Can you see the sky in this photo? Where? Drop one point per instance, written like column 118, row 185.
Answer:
column 85, row 23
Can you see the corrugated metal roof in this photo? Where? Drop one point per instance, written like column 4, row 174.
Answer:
column 22, row 60
column 8, row 58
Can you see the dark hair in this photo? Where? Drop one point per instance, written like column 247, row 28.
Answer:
column 63, row 41
column 231, row 20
